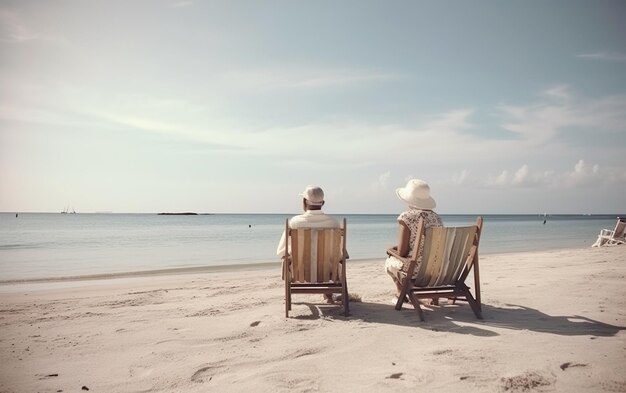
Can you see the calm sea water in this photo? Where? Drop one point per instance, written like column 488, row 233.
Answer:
column 37, row 245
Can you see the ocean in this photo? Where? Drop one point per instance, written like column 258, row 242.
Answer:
column 50, row 245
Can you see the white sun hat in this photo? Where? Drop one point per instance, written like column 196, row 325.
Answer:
column 417, row 194
column 313, row 194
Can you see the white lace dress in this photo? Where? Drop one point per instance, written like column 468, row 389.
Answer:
column 411, row 217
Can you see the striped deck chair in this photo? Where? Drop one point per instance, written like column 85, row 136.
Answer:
column 612, row 237
column 317, row 263
column 448, row 256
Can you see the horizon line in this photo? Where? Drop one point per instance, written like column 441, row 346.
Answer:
column 296, row 213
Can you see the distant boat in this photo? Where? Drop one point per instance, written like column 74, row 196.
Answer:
column 67, row 211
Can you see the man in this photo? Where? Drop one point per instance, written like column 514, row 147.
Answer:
column 313, row 217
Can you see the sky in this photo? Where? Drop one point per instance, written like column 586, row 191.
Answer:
column 235, row 106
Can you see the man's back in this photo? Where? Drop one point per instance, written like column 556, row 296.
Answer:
column 313, row 219
column 310, row 219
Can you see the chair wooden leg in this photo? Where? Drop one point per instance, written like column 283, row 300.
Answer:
column 399, row 303
column 477, row 281
column 473, row 304
column 289, row 299
column 403, row 292
column 416, row 304
column 475, row 307
column 287, row 291
column 345, row 299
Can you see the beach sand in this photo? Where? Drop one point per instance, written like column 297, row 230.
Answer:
column 553, row 321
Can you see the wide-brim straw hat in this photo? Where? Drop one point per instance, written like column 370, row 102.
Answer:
column 416, row 194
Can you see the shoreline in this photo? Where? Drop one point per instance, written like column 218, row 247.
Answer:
column 212, row 269
column 143, row 273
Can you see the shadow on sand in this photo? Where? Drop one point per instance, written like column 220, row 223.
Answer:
column 460, row 319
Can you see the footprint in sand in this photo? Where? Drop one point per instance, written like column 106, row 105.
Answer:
column 303, row 352
column 140, row 371
column 47, row 376
column 289, row 382
column 527, row 381
column 205, row 374
column 614, row 386
column 234, row 337
column 570, row 364
column 443, row 352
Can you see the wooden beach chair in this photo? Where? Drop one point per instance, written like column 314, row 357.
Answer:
column 613, row 237
column 316, row 264
column 449, row 255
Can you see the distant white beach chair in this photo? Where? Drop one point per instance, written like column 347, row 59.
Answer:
column 613, row 237
column 448, row 257
column 317, row 263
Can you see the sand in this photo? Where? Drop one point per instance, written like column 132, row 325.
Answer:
column 553, row 321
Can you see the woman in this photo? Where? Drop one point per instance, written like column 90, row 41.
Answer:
column 420, row 205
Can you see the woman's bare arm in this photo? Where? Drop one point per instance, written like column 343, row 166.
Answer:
column 404, row 236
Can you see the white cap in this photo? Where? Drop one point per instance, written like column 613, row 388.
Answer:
column 314, row 195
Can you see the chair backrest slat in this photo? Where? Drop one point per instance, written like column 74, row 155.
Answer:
column 620, row 228
column 449, row 250
column 436, row 259
column 455, row 260
column 444, row 255
column 320, row 257
column 466, row 237
column 316, row 254
column 296, row 255
column 421, row 269
column 307, row 257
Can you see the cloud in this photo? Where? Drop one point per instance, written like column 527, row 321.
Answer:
column 500, row 180
column 521, row 175
column 539, row 123
column 382, row 182
column 12, row 29
column 180, row 4
column 458, row 119
column 581, row 175
column 604, row 56
column 305, row 78
column 340, row 78
column 440, row 143
column 389, row 144
column 560, row 91
column 534, row 125
column 461, row 177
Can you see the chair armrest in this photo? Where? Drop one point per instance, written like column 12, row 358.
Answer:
column 393, row 252
column 606, row 232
